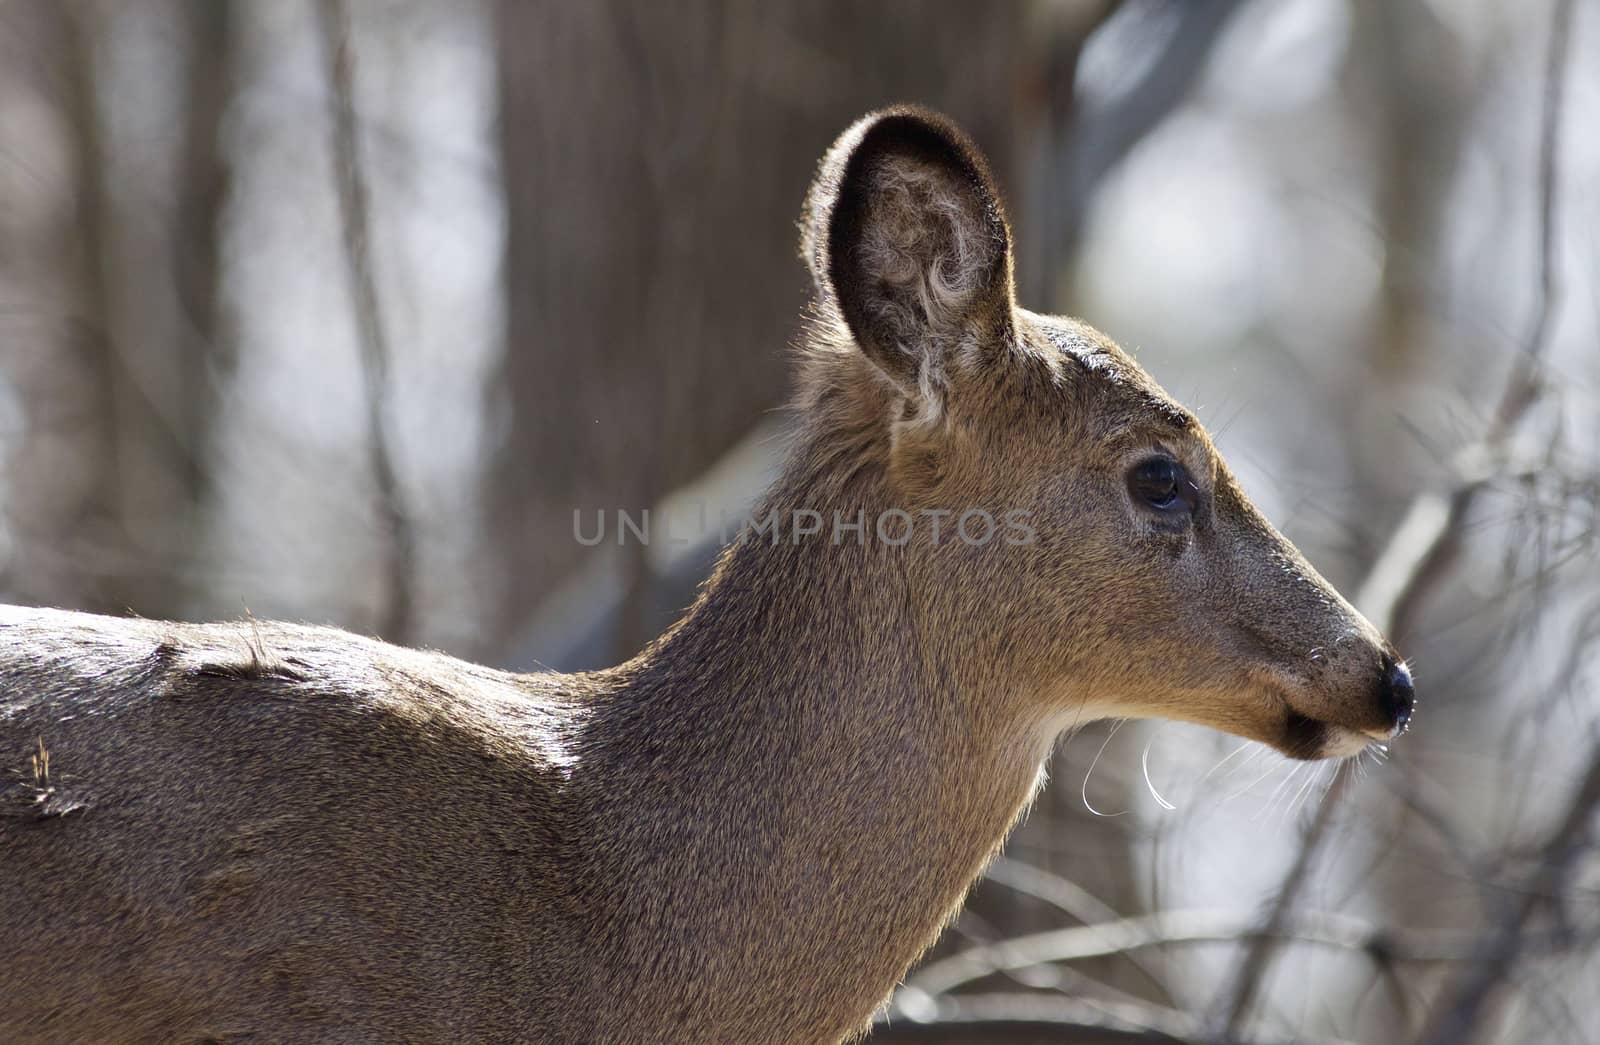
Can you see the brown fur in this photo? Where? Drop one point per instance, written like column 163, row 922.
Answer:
column 748, row 832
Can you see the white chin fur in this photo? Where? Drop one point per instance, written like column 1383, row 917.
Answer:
column 1343, row 743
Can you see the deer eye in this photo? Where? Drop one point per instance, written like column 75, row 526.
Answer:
column 1164, row 485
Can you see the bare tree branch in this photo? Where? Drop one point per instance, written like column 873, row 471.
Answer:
column 98, row 512
column 1109, row 134
column 1244, row 985
column 1004, row 1031
column 1197, row 926
column 1461, row 1011
column 1068, row 897
column 197, row 260
column 1033, row 1017
column 1412, row 561
column 1036, row 1019
column 1087, row 142
column 354, row 209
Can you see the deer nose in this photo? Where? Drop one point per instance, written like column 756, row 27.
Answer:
column 1396, row 695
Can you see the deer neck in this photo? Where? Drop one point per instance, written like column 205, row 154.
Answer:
column 816, row 774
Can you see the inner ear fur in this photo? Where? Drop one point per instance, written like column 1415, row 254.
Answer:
column 906, row 235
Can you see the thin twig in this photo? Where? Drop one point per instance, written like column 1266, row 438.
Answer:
column 1412, row 561
column 1463, row 1006
column 1063, row 1029
column 1086, row 142
column 1418, row 550
column 1109, row 133
column 354, row 211
column 1242, row 988
column 1034, row 1018
column 1068, row 897
column 1171, row 927
column 1522, row 388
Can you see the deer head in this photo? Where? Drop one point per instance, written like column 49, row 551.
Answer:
column 1129, row 574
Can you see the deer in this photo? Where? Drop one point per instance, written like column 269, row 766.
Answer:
column 749, row 831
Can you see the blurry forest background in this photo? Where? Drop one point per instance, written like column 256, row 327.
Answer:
column 336, row 311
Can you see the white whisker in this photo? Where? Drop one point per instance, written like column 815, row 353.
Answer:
column 1296, row 803
column 1272, row 799
column 1230, row 756
column 1084, row 791
column 1145, row 763
column 1272, row 768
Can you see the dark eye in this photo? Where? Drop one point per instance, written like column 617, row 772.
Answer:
column 1164, row 485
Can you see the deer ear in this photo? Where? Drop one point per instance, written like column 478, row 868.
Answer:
column 904, row 232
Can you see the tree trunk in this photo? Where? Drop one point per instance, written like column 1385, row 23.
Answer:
column 655, row 160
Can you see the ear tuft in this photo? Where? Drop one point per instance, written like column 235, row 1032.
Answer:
column 905, row 234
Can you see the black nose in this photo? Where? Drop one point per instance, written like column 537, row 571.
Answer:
column 1396, row 696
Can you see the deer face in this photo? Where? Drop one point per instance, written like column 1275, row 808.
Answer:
column 1140, row 580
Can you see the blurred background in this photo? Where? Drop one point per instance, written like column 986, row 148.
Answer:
column 336, row 311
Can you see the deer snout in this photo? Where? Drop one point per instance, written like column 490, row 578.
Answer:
column 1396, row 696
column 1382, row 714
column 1368, row 695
